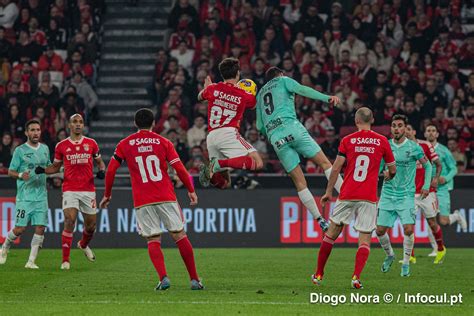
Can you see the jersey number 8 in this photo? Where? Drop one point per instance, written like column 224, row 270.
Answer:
column 361, row 168
column 152, row 164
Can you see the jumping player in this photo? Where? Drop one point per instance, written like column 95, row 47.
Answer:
column 78, row 154
column 276, row 119
column 32, row 196
column 398, row 195
column 226, row 106
column 147, row 155
column 428, row 205
column 445, row 181
column 363, row 151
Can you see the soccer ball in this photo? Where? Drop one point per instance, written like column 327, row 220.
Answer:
column 249, row 86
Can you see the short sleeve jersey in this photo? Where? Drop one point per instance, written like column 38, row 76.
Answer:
column 226, row 105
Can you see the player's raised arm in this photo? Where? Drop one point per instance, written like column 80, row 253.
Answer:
column 308, row 92
column 207, row 83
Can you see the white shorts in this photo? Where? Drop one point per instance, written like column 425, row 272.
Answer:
column 365, row 212
column 226, row 142
column 428, row 206
column 82, row 201
column 150, row 218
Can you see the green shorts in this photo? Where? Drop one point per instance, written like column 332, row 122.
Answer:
column 290, row 142
column 35, row 213
column 444, row 202
column 391, row 208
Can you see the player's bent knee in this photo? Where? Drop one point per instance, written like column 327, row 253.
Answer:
column 178, row 234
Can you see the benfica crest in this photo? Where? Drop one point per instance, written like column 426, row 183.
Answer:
column 86, row 147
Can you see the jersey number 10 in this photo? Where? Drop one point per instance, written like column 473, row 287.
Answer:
column 152, row 164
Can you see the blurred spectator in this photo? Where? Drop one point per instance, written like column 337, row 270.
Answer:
column 257, row 143
column 354, row 46
column 84, row 90
column 197, row 133
column 330, row 146
column 184, row 55
column 5, row 152
column 8, row 14
column 50, row 60
column 459, row 156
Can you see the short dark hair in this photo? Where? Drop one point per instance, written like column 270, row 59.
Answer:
column 273, row 72
column 431, row 124
column 31, row 122
column 229, row 68
column 144, row 118
column 400, row 117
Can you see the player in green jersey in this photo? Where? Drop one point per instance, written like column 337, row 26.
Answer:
column 398, row 194
column 446, row 182
column 276, row 119
column 31, row 197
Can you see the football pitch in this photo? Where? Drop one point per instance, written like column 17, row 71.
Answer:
column 238, row 281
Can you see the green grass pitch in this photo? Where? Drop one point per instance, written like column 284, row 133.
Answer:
column 238, row 281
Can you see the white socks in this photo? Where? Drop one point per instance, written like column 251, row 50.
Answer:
column 36, row 244
column 308, row 200
column 432, row 239
column 11, row 237
column 386, row 245
column 338, row 184
column 408, row 242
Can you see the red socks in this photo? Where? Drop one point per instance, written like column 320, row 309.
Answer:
column 86, row 239
column 186, row 251
column 361, row 259
column 438, row 235
column 66, row 242
column 242, row 162
column 156, row 256
column 219, row 181
column 413, row 252
column 323, row 255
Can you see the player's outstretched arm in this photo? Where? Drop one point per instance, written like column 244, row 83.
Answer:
column 308, row 92
column 336, row 169
column 425, row 190
column 109, row 182
column 51, row 169
column 184, row 176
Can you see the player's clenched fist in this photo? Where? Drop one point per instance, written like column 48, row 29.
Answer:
column 193, row 198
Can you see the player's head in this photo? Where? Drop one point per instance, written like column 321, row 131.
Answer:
column 364, row 116
column 33, row 131
column 76, row 124
column 410, row 132
column 144, row 119
column 273, row 72
column 230, row 69
column 399, row 124
column 431, row 133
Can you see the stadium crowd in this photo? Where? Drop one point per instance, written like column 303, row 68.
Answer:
column 410, row 57
column 48, row 56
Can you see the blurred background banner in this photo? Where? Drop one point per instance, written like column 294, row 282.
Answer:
column 231, row 218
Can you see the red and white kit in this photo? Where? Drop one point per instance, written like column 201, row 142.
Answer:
column 78, row 184
column 363, row 150
column 147, row 155
column 428, row 205
column 226, row 106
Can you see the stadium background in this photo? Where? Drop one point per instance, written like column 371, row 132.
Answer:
column 107, row 58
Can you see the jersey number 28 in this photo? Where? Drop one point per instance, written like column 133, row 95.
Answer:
column 152, row 165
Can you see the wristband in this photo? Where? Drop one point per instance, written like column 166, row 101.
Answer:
column 20, row 175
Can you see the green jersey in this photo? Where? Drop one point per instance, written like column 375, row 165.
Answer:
column 276, row 103
column 449, row 167
column 403, row 184
column 27, row 158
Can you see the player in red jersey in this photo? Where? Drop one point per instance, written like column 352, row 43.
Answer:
column 77, row 153
column 226, row 106
column 428, row 205
column 363, row 151
column 147, row 155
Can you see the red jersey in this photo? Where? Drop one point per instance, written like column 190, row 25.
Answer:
column 78, row 160
column 147, row 155
column 431, row 154
column 226, row 105
column 363, row 151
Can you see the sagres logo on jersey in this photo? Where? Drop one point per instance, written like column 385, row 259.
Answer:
column 7, row 217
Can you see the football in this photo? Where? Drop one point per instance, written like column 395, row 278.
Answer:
column 249, row 86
